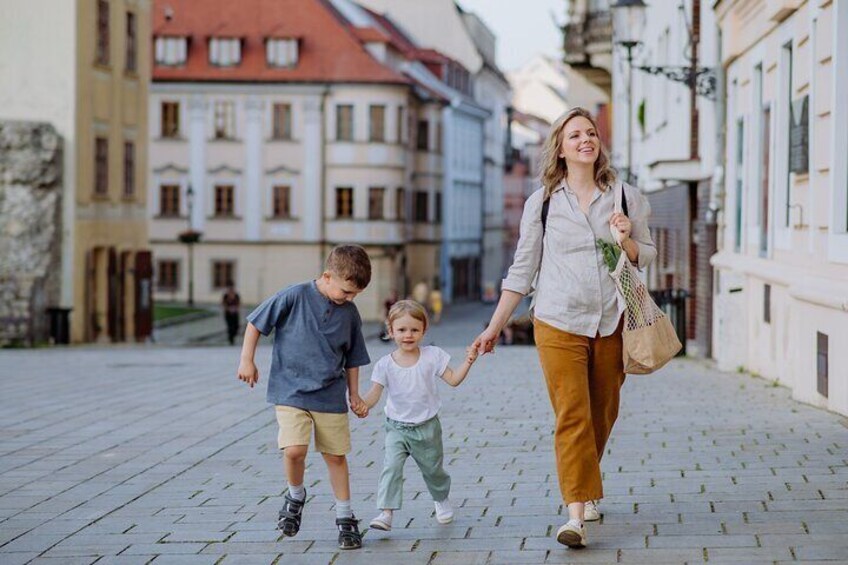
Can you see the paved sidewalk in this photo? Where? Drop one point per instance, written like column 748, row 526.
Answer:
column 127, row 455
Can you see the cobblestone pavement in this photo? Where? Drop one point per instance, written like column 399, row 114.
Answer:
column 127, row 455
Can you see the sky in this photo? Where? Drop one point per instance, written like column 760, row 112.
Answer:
column 523, row 27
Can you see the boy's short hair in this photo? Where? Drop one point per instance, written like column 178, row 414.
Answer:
column 350, row 263
column 403, row 308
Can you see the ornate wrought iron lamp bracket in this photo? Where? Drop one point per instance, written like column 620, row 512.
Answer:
column 702, row 78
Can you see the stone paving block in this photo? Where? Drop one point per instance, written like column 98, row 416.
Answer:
column 163, row 548
column 560, row 555
column 256, row 559
column 288, row 546
column 670, row 542
column 517, row 557
column 748, row 554
column 185, row 560
column 77, row 550
column 63, row 560
column 813, row 552
column 460, row 558
column 662, row 555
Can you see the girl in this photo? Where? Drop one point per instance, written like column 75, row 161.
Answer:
column 409, row 375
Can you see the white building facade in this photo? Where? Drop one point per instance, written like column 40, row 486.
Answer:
column 781, row 304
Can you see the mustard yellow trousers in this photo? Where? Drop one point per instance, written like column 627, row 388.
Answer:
column 584, row 377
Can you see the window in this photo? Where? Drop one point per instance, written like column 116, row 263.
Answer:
column 282, row 201
column 131, row 47
column 225, row 52
column 129, row 168
column 281, row 52
column 101, row 166
column 439, row 137
column 344, row 122
column 282, row 121
column 223, row 273
column 438, row 210
column 224, row 201
column 400, row 119
column 169, row 200
column 420, row 211
column 787, row 59
column 423, row 135
column 102, row 49
column 400, row 203
column 377, row 123
column 344, row 202
column 225, row 120
column 167, row 271
column 740, row 174
column 171, row 51
column 376, row 199
column 170, row 119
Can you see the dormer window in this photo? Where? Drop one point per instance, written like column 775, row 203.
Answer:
column 281, row 52
column 225, row 52
column 171, row 51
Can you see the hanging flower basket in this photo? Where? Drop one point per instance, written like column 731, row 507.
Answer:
column 189, row 236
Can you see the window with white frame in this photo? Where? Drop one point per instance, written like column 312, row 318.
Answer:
column 225, row 120
column 171, row 51
column 281, row 52
column 225, row 52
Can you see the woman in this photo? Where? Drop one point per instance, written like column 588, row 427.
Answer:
column 577, row 311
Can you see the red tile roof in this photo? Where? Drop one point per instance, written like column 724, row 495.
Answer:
column 329, row 50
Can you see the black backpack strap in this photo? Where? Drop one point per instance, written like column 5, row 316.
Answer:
column 623, row 202
column 546, row 205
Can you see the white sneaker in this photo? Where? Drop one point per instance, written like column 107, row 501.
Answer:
column 591, row 512
column 444, row 512
column 572, row 534
column 382, row 522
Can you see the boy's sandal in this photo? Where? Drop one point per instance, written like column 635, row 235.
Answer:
column 290, row 515
column 349, row 536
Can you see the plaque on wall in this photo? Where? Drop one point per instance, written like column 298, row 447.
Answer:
column 799, row 136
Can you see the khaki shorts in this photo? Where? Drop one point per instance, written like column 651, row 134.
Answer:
column 332, row 431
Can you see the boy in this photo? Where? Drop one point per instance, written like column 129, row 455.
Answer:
column 318, row 349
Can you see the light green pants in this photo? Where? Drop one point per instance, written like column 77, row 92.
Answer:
column 424, row 443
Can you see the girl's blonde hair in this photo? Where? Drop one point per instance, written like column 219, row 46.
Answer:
column 403, row 308
column 553, row 167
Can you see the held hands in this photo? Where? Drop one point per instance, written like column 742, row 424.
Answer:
column 358, row 406
column 248, row 373
column 622, row 225
column 485, row 342
column 471, row 354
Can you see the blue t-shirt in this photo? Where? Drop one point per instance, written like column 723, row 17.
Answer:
column 315, row 341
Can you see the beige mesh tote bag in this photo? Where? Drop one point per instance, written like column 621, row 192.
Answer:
column 649, row 337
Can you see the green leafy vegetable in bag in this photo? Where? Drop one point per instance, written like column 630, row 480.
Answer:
column 611, row 253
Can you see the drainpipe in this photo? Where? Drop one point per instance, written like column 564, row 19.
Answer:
column 322, row 234
column 717, row 186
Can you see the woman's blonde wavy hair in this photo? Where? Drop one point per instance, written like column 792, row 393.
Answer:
column 553, row 167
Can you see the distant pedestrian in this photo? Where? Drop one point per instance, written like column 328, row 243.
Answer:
column 231, row 304
column 318, row 349
column 387, row 305
column 409, row 376
column 436, row 304
column 578, row 310
column 420, row 292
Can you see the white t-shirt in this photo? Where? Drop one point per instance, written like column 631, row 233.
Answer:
column 412, row 393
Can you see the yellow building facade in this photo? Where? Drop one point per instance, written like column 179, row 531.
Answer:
column 84, row 66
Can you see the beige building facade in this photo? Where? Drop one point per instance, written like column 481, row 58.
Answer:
column 84, row 67
column 781, row 302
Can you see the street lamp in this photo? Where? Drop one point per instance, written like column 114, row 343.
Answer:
column 628, row 19
column 190, row 237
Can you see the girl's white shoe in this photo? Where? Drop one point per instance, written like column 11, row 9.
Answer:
column 444, row 512
column 382, row 522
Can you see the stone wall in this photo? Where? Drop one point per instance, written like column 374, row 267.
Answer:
column 30, row 229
